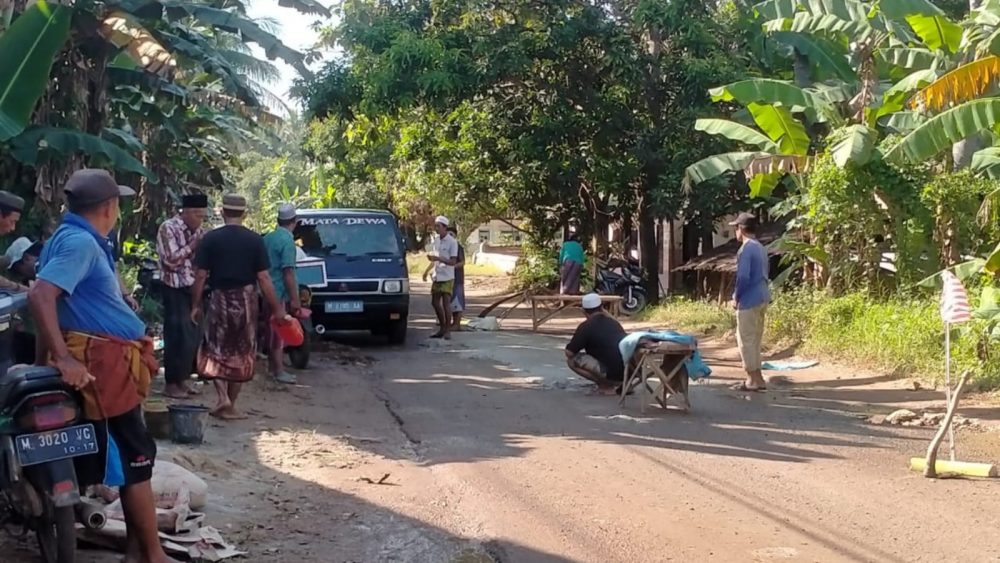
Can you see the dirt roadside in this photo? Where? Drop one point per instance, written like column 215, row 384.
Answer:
column 488, row 451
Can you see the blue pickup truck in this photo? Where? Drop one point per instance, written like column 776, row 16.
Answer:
column 359, row 275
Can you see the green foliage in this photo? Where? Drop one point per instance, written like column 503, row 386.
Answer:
column 29, row 46
column 35, row 144
column 691, row 316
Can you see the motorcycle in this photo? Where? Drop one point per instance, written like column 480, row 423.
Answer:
column 624, row 278
column 41, row 430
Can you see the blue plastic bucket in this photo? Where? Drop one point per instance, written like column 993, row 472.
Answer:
column 187, row 423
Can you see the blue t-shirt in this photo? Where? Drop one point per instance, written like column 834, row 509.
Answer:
column 751, row 275
column 571, row 251
column 280, row 245
column 74, row 261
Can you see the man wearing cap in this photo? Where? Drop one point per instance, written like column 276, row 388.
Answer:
column 280, row 244
column 593, row 353
column 99, row 344
column 444, row 259
column 750, row 299
column 176, row 242
column 233, row 261
column 22, row 258
column 11, row 207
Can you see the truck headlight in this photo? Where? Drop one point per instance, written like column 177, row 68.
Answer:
column 392, row 286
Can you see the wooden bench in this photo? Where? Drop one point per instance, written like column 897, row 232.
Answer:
column 610, row 302
column 665, row 363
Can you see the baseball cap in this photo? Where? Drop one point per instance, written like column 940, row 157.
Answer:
column 744, row 220
column 286, row 212
column 442, row 220
column 234, row 202
column 11, row 201
column 90, row 186
column 16, row 251
column 591, row 301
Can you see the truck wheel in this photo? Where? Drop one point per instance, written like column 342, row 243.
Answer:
column 397, row 332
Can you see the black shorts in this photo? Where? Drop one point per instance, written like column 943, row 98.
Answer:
column 127, row 452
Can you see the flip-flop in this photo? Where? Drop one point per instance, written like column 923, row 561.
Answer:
column 743, row 387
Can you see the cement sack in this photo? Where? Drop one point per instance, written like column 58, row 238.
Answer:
column 171, row 481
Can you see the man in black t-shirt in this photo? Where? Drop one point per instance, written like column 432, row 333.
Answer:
column 593, row 353
column 232, row 260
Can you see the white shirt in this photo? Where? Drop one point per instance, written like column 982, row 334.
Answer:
column 446, row 248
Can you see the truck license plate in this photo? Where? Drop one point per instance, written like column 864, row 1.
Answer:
column 64, row 443
column 345, row 307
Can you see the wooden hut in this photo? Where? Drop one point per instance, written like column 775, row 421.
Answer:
column 714, row 272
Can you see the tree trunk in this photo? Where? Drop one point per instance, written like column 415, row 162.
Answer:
column 650, row 258
column 803, row 76
column 962, row 151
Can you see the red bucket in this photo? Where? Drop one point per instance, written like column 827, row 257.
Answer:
column 290, row 333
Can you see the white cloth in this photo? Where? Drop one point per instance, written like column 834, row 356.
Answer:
column 446, row 248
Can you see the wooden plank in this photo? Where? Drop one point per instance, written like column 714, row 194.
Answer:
column 576, row 298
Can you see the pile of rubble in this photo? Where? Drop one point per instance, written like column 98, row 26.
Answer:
column 906, row 417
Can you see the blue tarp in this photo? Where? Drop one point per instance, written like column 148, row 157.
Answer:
column 696, row 367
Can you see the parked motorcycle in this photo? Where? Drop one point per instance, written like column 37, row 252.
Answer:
column 40, row 432
column 625, row 278
column 148, row 280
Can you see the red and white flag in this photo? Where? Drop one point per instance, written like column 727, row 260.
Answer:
column 954, row 300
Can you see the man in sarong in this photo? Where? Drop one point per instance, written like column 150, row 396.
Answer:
column 444, row 259
column 458, row 298
column 571, row 259
column 280, row 244
column 232, row 260
column 91, row 335
column 175, row 243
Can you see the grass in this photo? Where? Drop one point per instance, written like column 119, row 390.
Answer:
column 900, row 336
column 697, row 317
column 417, row 263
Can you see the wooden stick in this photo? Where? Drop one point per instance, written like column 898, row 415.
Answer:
column 931, row 468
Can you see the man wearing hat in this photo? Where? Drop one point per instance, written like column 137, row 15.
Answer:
column 750, row 299
column 22, row 258
column 176, row 242
column 233, row 261
column 280, row 244
column 593, row 353
column 11, row 207
column 444, row 259
column 99, row 344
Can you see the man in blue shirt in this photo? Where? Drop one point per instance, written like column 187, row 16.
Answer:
column 280, row 245
column 91, row 335
column 750, row 299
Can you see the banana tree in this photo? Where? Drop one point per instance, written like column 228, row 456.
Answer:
column 780, row 139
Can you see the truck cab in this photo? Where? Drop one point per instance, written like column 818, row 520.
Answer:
column 364, row 283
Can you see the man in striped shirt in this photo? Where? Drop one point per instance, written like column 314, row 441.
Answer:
column 175, row 243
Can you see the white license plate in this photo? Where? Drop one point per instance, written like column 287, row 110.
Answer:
column 344, row 307
column 56, row 444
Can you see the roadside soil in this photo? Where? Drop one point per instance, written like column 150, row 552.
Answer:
column 485, row 449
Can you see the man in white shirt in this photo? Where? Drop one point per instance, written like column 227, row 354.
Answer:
column 444, row 260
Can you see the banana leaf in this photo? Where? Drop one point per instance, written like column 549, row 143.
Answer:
column 987, row 161
column 736, row 132
column 719, row 164
column 766, row 90
column 937, row 32
column 899, row 9
column 828, row 56
column 905, row 57
column 311, row 7
column 779, row 124
column 941, row 131
column 856, row 147
column 29, row 148
column 28, row 50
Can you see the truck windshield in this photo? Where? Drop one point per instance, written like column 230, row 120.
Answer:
column 344, row 237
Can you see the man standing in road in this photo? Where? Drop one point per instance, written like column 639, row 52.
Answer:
column 593, row 353
column 444, row 259
column 750, row 299
column 233, row 261
column 91, row 335
column 280, row 244
column 175, row 243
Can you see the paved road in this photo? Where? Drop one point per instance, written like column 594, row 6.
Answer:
column 555, row 474
column 491, row 452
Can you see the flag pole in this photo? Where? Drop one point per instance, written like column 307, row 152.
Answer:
column 947, row 386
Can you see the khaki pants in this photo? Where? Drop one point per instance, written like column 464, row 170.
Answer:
column 750, row 335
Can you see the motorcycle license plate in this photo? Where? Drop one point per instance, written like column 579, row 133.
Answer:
column 41, row 447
